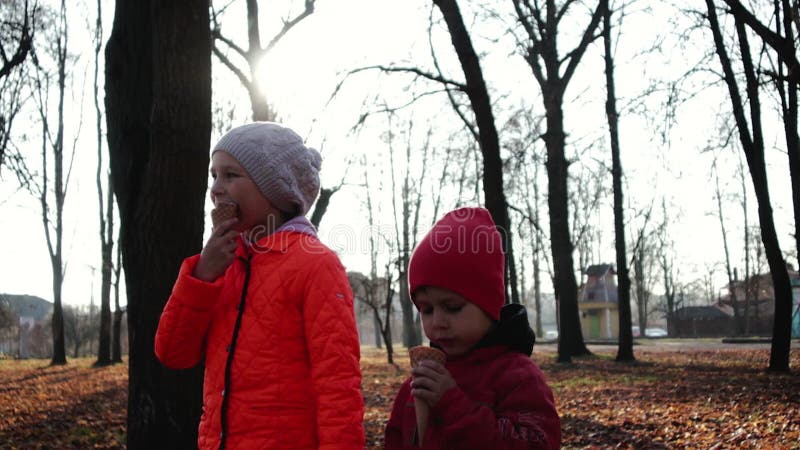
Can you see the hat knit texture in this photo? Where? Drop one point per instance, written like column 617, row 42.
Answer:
column 283, row 168
column 463, row 252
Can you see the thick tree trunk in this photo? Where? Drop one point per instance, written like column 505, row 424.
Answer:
column 59, row 344
column 625, row 344
column 493, row 188
column 570, row 338
column 158, row 103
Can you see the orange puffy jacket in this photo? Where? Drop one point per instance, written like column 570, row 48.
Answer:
column 293, row 380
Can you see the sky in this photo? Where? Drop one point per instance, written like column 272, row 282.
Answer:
column 303, row 71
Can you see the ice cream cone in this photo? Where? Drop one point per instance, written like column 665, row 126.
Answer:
column 422, row 410
column 222, row 212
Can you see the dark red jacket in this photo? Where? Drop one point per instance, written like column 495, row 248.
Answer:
column 502, row 400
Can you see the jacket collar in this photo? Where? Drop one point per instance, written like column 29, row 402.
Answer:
column 279, row 240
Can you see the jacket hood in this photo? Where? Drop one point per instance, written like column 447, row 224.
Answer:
column 512, row 330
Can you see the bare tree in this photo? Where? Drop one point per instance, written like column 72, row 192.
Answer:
column 484, row 131
column 787, row 91
column 158, row 118
column 16, row 44
column 80, row 325
column 748, row 294
column 667, row 265
column 254, row 53
column 247, row 70
column 625, row 344
column 541, row 23
column 783, row 45
column 522, row 132
column 753, row 146
column 372, row 286
column 642, row 261
column 105, row 209
column 729, row 269
column 53, row 191
column 406, row 223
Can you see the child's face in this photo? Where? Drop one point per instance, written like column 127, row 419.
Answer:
column 233, row 183
column 451, row 321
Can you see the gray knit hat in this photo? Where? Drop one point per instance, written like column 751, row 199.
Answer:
column 283, row 168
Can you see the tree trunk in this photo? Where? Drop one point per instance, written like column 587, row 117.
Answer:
column 116, row 344
column 541, row 23
column 493, row 188
column 55, row 248
column 570, row 338
column 158, row 104
column 788, row 95
column 754, row 152
column 321, row 206
column 107, row 221
column 732, row 278
column 625, row 344
column 378, row 328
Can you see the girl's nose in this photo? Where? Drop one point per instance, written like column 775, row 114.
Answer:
column 439, row 319
column 216, row 188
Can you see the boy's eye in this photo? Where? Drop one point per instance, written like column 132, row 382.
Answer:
column 453, row 308
column 425, row 310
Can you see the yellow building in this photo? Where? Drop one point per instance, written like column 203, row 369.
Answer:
column 598, row 303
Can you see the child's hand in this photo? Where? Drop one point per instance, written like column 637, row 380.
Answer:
column 218, row 253
column 430, row 381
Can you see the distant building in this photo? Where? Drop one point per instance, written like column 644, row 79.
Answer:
column 598, row 303
column 700, row 321
column 754, row 298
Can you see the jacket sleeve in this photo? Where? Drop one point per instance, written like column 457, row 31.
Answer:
column 524, row 417
column 184, row 322
column 334, row 354
column 393, row 436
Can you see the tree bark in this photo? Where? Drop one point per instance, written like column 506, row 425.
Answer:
column 488, row 140
column 158, row 104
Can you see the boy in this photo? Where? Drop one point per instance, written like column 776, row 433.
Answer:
column 489, row 394
column 267, row 306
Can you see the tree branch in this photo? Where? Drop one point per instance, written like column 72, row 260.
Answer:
column 227, row 62
column 288, row 25
column 588, row 36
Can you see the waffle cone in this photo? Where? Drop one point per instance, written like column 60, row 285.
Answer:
column 422, row 410
column 223, row 212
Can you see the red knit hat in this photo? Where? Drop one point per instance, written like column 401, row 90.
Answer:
column 463, row 252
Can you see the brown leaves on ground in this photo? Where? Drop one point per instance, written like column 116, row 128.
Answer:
column 688, row 399
column 72, row 406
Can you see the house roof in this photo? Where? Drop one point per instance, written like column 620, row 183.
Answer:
column 599, row 270
column 700, row 312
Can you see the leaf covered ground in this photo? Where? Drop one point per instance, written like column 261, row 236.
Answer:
column 720, row 399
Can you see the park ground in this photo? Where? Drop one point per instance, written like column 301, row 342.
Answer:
column 679, row 394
